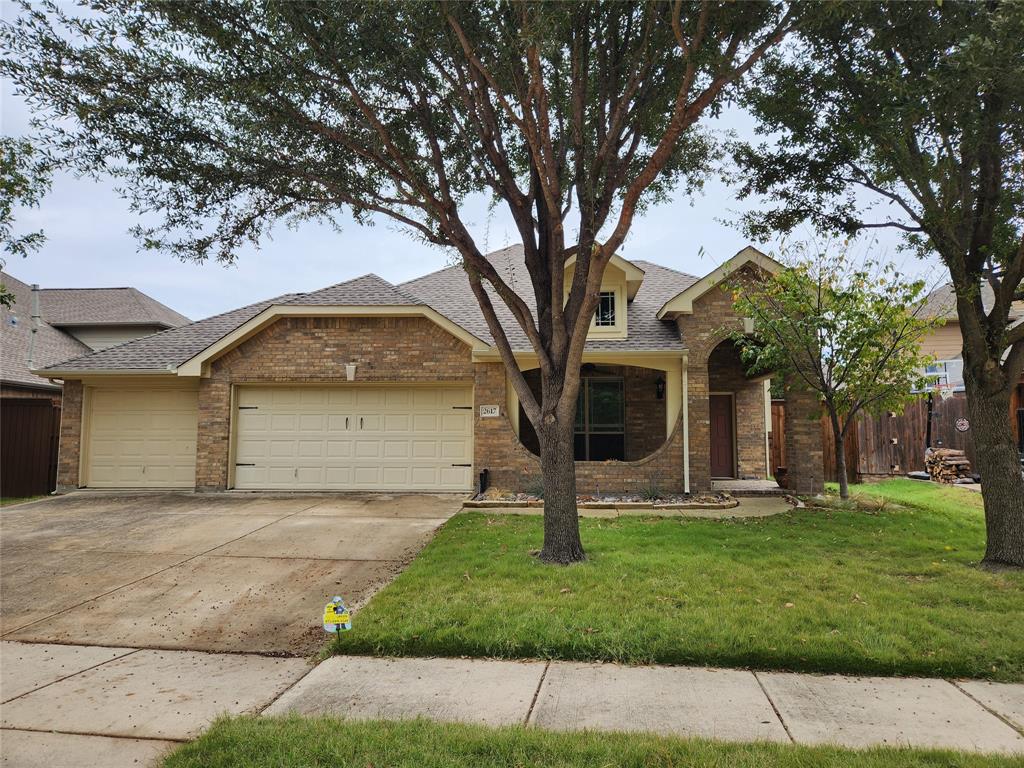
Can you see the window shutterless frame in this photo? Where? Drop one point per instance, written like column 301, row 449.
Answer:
column 600, row 419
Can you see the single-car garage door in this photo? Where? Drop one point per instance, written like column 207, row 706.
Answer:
column 141, row 438
column 348, row 437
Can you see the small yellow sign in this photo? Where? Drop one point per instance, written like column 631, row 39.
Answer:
column 331, row 615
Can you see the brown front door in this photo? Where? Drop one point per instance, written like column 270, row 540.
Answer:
column 721, row 436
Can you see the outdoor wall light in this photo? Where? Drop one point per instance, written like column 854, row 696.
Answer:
column 350, row 371
column 659, row 389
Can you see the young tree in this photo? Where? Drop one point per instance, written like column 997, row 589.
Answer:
column 910, row 116
column 24, row 179
column 850, row 334
column 224, row 117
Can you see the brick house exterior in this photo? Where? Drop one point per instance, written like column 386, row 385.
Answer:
column 371, row 386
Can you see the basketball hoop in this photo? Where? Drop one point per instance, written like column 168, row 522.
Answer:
column 945, row 390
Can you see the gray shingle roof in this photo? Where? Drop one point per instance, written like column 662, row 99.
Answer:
column 368, row 290
column 171, row 347
column 446, row 291
column 105, row 306
column 942, row 303
column 51, row 345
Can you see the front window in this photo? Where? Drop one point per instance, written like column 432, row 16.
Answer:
column 600, row 420
column 605, row 316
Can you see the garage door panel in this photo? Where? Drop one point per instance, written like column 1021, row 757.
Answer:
column 141, row 438
column 355, row 437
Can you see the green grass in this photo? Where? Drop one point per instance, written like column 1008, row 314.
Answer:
column 897, row 592
column 8, row 501
column 324, row 743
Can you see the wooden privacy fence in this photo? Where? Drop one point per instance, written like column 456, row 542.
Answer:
column 888, row 444
column 29, row 435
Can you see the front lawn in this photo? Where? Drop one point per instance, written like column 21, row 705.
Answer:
column 299, row 743
column 896, row 592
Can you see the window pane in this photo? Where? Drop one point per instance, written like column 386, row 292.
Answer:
column 604, row 447
column 605, row 316
column 606, row 406
column 580, row 447
column 579, row 406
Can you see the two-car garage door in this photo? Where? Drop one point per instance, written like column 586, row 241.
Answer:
column 349, row 437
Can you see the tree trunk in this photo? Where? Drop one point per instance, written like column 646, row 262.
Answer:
column 839, row 438
column 1002, row 486
column 561, row 521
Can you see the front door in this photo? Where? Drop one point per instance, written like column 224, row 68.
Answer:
column 722, row 451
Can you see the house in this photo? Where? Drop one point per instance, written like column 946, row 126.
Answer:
column 945, row 345
column 72, row 322
column 372, row 386
column 43, row 327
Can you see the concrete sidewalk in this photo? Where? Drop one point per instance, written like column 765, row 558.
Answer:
column 724, row 704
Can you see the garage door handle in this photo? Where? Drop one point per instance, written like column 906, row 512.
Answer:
column 244, row 465
column 346, row 422
column 360, row 422
column 462, row 465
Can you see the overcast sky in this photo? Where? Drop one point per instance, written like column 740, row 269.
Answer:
column 88, row 245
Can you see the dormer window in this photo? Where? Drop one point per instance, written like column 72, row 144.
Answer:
column 605, row 316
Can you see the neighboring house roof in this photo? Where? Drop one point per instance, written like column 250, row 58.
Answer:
column 51, row 345
column 446, row 291
column 941, row 303
column 105, row 306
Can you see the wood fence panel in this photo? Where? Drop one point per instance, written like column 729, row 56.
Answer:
column 29, row 434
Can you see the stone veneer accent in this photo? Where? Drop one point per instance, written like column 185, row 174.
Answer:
column 315, row 350
column 70, row 449
column 513, row 467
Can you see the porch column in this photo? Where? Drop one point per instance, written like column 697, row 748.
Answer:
column 805, row 474
column 699, row 423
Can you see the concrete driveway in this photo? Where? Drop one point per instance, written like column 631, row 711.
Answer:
column 229, row 573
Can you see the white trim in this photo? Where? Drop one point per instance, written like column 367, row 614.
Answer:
column 198, row 365
column 682, row 303
column 634, row 275
column 529, row 357
column 686, row 426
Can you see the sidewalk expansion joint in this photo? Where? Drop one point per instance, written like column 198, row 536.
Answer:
column 177, row 739
column 987, row 708
column 73, row 674
column 536, row 693
column 775, row 709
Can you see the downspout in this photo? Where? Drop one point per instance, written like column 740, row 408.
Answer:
column 686, row 425
column 31, row 361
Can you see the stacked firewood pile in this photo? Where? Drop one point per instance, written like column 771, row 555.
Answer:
column 947, row 465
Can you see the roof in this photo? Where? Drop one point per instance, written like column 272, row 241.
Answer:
column 51, row 345
column 105, row 306
column 446, row 291
column 941, row 303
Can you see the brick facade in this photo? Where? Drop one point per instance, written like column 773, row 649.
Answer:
column 315, row 350
column 803, row 439
column 644, row 411
column 711, row 367
column 70, row 449
column 497, row 448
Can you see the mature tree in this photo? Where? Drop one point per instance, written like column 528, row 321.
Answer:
column 224, row 117
column 851, row 333
column 24, row 179
column 910, row 116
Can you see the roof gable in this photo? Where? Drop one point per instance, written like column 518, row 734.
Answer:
column 682, row 303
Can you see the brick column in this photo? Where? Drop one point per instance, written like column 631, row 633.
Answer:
column 214, row 434
column 699, row 425
column 805, row 473
column 70, row 448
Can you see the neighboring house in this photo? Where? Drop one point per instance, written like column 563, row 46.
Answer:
column 72, row 322
column 371, row 386
column 945, row 344
column 43, row 327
